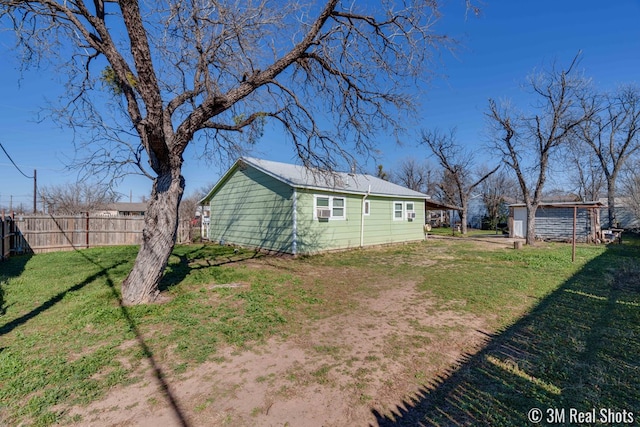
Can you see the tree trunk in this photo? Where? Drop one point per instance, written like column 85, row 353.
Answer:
column 611, row 201
column 158, row 240
column 531, row 224
column 463, row 220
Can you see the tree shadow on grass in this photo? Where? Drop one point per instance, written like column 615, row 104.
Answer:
column 9, row 268
column 146, row 351
column 578, row 349
column 202, row 257
column 10, row 326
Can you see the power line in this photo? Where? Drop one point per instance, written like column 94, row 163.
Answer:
column 14, row 163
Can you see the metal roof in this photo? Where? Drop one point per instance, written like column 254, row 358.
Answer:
column 302, row 177
column 591, row 204
column 315, row 179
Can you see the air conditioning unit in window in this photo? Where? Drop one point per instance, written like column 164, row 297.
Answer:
column 411, row 215
column 323, row 213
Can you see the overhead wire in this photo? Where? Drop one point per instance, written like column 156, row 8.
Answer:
column 14, row 163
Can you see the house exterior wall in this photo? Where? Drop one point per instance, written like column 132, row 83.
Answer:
column 253, row 209
column 316, row 235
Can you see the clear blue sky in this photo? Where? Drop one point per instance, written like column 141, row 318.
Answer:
column 498, row 50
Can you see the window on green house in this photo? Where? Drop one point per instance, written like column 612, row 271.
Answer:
column 329, row 207
column 398, row 211
column 338, row 207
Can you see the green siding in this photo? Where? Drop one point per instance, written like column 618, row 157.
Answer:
column 379, row 228
column 254, row 210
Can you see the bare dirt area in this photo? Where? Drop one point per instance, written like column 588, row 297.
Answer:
column 378, row 351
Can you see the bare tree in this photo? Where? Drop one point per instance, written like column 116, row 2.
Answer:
column 414, row 175
column 586, row 172
column 458, row 170
column 77, row 198
column 631, row 187
column 498, row 190
column 527, row 142
column 214, row 72
column 613, row 135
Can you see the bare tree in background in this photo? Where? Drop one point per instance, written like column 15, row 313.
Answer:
column 498, row 190
column 527, row 142
column 71, row 199
column 214, row 73
column 458, row 170
column 585, row 172
column 613, row 135
column 631, row 187
column 414, row 175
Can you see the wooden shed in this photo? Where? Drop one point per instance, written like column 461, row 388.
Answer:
column 555, row 221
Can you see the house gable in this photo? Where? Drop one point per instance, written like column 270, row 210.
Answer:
column 249, row 208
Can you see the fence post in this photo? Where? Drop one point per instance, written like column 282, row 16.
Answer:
column 3, row 225
column 12, row 233
column 87, row 230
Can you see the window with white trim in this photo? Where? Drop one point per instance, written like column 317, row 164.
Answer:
column 398, row 211
column 367, row 207
column 329, row 207
column 410, row 210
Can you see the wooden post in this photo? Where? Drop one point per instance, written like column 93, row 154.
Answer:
column 573, row 245
column 12, row 233
column 87, row 230
column 2, row 224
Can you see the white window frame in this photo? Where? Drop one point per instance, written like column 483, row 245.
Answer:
column 367, row 208
column 393, row 210
column 407, row 210
column 330, row 207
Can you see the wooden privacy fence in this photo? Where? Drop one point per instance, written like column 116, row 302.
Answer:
column 47, row 233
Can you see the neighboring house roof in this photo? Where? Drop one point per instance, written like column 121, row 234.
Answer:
column 127, row 207
column 302, row 177
column 592, row 204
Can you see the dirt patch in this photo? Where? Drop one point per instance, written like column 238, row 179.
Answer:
column 378, row 350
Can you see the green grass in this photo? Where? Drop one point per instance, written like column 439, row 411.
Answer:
column 566, row 333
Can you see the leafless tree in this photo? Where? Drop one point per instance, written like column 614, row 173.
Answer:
column 417, row 176
column 76, row 198
column 214, row 72
column 527, row 141
column 497, row 191
column 631, row 187
column 585, row 172
column 458, row 170
column 613, row 135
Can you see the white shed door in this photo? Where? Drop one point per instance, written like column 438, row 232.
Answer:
column 518, row 230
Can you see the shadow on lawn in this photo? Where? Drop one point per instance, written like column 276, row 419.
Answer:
column 10, row 326
column 146, row 351
column 201, row 257
column 577, row 349
column 12, row 267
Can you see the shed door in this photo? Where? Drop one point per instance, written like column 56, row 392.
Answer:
column 518, row 229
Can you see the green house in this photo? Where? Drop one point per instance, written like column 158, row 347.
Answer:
column 292, row 209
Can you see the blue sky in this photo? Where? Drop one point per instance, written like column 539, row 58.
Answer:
column 497, row 51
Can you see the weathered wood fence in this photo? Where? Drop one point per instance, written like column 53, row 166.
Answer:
column 48, row 233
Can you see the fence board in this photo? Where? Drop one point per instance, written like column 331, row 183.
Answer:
column 45, row 233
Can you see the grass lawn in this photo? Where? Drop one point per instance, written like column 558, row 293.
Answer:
column 561, row 334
